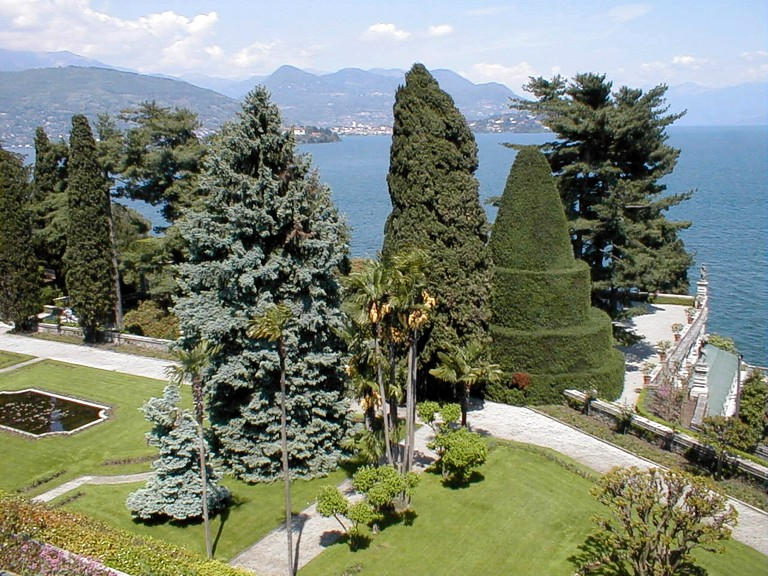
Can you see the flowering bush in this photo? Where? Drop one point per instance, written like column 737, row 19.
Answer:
column 29, row 557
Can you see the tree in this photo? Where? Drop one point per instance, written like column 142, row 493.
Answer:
column 723, row 435
column 435, row 208
column 19, row 275
column 753, row 406
column 175, row 489
column 466, row 366
column 543, row 325
column 268, row 234
column 89, row 255
column 191, row 364
column 657, row 518
column 271, row 326
column 48, row 203
column 610, row 156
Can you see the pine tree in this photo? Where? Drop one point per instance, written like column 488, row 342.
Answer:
column 19, row 275
column 174, row 490
column 89, row 254
column 610, row 155
column 268, row 234
column 546, row 338
column 435, row 208
column 48, row 203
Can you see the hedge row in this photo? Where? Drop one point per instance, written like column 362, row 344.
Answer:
column 571, row 349
column 530, row 300
column 608, row 380
column 112, row 547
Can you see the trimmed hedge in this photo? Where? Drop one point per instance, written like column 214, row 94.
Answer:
column 608, row 380
column 546, row 337
column 572, row 349
column 112, row 547
column 529, row 300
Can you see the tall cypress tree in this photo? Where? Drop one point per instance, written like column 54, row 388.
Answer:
column 610, row 154
column 268, row 234
column 436, row 208
column 19, row 276
column 88, row 258
column 48, row 203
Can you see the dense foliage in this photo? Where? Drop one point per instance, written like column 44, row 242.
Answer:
column 658, row 518
column 115, row 548
column 174, row 491
column 435, row 208
column 19, row 276
column 543, row 325
column 90, row 273
column 268, row 234
column 753, row 406
column 610, row 156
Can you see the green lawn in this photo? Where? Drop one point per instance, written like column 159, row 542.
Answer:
column 527, row 516
column 11, row 358
column 119, row 438
column 257, row 510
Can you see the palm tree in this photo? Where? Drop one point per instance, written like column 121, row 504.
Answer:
column 270, row 326
column 368, row 307
column 191, row 364
column 466, row 365
column 411, row 304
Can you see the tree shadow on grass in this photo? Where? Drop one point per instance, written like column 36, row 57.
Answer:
column 462, row 483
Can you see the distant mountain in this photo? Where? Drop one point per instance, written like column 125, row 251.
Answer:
column 15, row 60
column 745, row 104
column 49, row 97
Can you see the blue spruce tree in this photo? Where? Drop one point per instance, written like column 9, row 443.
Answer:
column 268, row 234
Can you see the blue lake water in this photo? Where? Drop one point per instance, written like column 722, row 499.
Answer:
column 727, row 167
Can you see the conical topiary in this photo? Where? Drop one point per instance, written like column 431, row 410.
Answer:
column 546, row 337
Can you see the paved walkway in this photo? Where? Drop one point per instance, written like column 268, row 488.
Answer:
column 93, row 480
column 83, row 355
column 653, row 327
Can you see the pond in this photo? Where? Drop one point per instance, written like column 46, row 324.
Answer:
column 37, row 413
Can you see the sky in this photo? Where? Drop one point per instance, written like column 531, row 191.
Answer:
column 714, row 43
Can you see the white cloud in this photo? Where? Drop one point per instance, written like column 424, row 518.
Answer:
column 689, row 61
column 487, row 11
column 513, row 76
column 256, row 53
column 440, row 30
column 389, row 31
column 756, row 55
column 628, row 12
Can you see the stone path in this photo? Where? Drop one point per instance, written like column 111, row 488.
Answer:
column 83, row 355
column 21, row 365
column 93, row 480
column 311, row 532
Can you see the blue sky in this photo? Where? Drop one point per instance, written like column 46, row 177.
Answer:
column 639, row 44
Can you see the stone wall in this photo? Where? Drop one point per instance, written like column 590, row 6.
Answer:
column 108, row 336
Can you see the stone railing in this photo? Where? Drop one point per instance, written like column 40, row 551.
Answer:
column 108, row 336
column 664, row 436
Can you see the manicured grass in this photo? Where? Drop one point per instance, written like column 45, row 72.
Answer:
column 526, row 517
column 257, row 510
column 11, row 358
column 30, row 460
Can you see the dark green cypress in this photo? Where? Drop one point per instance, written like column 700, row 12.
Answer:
column 546, row 337
column 88, row 258
column 435, row 207
column 19, row 274
column 268, row 234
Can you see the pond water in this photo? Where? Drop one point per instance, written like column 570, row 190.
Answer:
column 38, row 413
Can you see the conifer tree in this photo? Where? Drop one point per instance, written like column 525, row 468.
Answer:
column 19, row 276
column 48, row 203
column 175, row 489
column 546, row 337
column 610, row 154
column 435, row 208
column 268, row 234
column 89, row 254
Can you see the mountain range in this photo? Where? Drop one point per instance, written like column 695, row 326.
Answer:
column 47, row 88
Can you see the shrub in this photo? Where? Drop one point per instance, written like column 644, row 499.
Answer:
column 112, row 547
column 148, row 319
column 460, row 452
column 383, row 485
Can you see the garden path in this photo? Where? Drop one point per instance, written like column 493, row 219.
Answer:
column 94, row 480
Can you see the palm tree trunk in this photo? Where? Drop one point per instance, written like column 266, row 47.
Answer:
column 410, row 406
column 197, row 394
column 464, row 405
column 394, row 444
column 286, row 470
column 383, row 394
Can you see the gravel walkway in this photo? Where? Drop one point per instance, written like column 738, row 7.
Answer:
column 93, row 480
